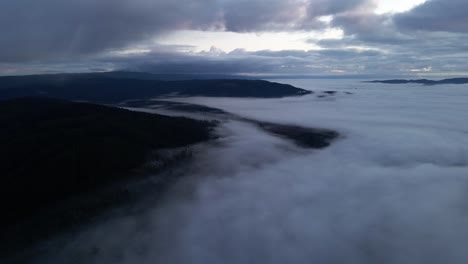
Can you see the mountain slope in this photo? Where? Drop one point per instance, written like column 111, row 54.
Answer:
column 54, row 149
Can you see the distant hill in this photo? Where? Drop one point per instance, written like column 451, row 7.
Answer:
column 53, row 149
column 424, row 81
column 117, row 87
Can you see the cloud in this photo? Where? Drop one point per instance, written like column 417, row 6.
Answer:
column 258, row 15
column 436, row 15
column 290, row 62
column 51, row 29
column 53, row 35
column 349, row 56
column 371, row 28
column 415, row 39
column 47, row 29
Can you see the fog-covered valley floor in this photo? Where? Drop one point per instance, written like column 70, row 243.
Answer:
column 392, row 189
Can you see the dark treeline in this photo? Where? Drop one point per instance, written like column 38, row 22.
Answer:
column 52, row 149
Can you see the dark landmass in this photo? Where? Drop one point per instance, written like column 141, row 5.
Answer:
column 303, row 136
column 108, row 88
column 52, row 150
column 424, row 81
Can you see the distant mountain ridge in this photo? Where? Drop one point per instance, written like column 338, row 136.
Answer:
column 121, row 86
column 424, row 81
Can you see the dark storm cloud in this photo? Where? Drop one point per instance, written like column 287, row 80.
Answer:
column 59, row 28
column 37, row 30
column 436, row 15
column 248, row 15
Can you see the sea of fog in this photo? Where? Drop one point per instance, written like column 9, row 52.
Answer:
column 392, row 189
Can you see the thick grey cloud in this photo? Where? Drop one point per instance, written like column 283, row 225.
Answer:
column 37, row 30
column 58, row 35
column 248, row 15
column 436, row 15
column 57, row 28
column 432, row 21
column 370, row 27
column 245, row 15
column 333, row 7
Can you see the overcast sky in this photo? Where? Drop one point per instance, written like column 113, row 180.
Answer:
column 280, row 37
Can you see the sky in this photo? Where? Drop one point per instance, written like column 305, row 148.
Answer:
column 252, row 37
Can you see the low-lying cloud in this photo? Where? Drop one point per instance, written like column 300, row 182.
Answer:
column 392, row 190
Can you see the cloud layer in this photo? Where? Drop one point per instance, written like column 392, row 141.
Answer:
column 54, row 35
column 51, row 28
column 436, row 15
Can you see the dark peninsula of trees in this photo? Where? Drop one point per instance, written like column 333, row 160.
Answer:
column 110, row 88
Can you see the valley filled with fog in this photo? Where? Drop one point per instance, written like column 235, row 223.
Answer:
column 391, row 189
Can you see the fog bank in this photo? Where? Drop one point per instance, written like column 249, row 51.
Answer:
column 391, row 190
